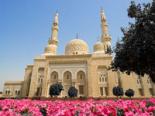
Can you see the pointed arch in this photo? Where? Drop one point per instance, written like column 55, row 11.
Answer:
column 67, row 82
column 41, row 70
column 54, row 77
column 80, row 77
column 67, row 77
column 102, row 72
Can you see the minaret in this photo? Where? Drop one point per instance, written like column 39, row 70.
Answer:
column 105, row 37
column 51, row 48
column 55, row 28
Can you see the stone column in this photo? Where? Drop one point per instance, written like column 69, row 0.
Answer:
column 104, row 92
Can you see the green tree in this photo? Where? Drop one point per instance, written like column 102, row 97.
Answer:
column 72, row 92
column 55, row 89
column 136, row 50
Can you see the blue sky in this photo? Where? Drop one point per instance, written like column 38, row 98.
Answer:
column 25, row 26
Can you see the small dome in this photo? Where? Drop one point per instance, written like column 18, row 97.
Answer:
column 50, row 49
column 76, row 46
column 98, row 47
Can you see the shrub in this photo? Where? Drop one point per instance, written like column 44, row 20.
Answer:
column 118, row 91
column 72, row 92
column 55, row 89
column 129, row 93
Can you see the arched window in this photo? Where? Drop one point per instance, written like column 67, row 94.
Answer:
column 103, row 77
column 54, row 77
column 39, row 91
column 100, row 79
column 81, row 82
column 67, row 82
column 41, row 70
column 81, row 77
column 17, row 92
column 40, row 75
column 67, row 77
column 102, row 74
column 8, row 92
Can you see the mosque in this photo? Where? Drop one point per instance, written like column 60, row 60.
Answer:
column 88, row 72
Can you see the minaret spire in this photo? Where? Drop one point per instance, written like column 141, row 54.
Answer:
column 51, row 48
column 105, row 37
column 103, row 17
column 55, row 28
column 56, row 20
column 104, row 26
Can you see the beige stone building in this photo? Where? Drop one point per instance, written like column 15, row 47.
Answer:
column 12, row 89
column 88, row 72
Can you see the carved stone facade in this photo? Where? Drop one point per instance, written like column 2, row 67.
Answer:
column 88, row 72
column 13, row 89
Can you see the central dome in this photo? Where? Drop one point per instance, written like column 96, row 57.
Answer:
column 75, row 47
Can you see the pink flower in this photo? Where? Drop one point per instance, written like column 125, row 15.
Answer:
column 90, row 107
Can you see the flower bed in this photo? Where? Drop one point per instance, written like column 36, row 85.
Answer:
column 90, row 107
